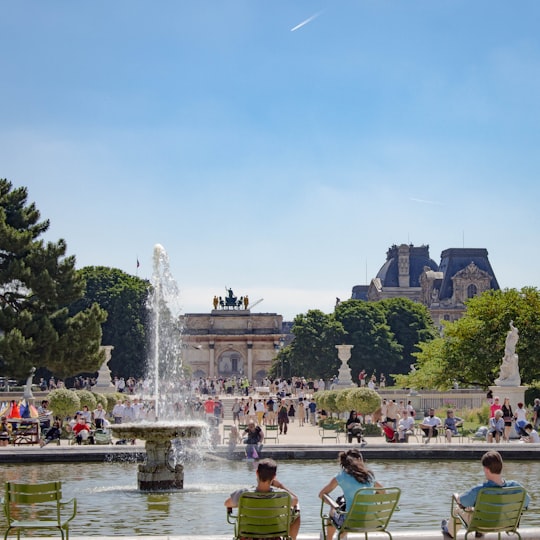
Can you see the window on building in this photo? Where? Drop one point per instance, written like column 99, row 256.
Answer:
column 472, row 291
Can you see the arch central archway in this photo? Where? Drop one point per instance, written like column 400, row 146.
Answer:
column 230, row 363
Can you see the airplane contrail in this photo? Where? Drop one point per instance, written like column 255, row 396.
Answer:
column 308, row 20
column 424, row 201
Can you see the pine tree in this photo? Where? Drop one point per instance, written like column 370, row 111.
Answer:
column 38, row 283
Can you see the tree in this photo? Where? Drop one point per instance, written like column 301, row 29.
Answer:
column 375, row 347
column 313, row 352
column 37, row 285
column 124, row 298
column 472, row 348
column 411, row 324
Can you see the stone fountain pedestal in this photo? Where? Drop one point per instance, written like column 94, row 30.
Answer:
column 159, row 472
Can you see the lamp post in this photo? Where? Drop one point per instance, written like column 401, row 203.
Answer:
column 281, row 343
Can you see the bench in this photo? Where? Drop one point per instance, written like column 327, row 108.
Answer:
column 37, row 506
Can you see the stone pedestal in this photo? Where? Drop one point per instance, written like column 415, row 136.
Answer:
column 344, row 374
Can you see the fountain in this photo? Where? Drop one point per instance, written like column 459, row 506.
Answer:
column 160, row 471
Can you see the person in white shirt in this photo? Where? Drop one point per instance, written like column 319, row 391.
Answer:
column 532, row 434
column 405, row 427
column 429, row 425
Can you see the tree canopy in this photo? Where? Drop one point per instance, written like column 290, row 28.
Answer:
column 385, row 335
column 472, row 348
column 38, row 283
column 313, row 352
column 123, row 297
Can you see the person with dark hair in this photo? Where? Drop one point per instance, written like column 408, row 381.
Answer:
column 354, row 427
column 267, row 482
column 493, row 464
column 353, row 475
column 253, row 438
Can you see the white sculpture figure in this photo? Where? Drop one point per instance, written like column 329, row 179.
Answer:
column 509, row 375
column 28, row 386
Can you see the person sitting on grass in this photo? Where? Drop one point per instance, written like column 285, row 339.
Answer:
column 267, row 482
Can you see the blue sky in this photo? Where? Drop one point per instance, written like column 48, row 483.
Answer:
column 280, row 163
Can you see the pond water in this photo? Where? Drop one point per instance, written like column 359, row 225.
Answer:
column 110, row 503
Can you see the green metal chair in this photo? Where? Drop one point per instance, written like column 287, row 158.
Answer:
column 370, row 512
column 262, row 515
column 37, row 506
column 496, row 510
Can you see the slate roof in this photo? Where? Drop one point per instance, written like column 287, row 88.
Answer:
column 455, row 259
column 418, row 258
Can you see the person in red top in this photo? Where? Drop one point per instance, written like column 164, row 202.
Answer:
column 495, row 406
column 209, row 407
column 82, row 431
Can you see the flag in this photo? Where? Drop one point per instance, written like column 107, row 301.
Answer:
column 138, row 263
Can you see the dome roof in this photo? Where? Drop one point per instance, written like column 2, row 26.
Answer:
column 418, row 258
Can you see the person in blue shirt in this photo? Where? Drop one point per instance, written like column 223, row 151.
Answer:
column 493, row 464
column 353, row 475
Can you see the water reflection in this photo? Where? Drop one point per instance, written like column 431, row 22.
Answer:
column 111, row 504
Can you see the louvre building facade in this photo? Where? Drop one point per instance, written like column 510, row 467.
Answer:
column 443, row 288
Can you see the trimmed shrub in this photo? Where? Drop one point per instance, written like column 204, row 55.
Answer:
column 87, row 398
column 63, row 402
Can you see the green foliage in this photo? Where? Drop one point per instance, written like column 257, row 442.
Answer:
column 313, row 351
column 327, row 400
column 63, row 402
column 123, row 297
column 375, row 348
column 101, row 398
column 411, row 324
column 472, row 348
column 37, row 284
column 363, row 400
column 87, row 398
column 372, row 430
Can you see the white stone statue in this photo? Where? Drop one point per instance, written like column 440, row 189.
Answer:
column 509, row 375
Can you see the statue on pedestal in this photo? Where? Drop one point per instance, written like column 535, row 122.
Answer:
column 509, row 374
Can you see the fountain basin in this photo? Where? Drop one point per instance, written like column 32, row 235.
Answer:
column 159, row 472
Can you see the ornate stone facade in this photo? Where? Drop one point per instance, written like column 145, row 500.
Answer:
column 228, row 343
column 409, row 272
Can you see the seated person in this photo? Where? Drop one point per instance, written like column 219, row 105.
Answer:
column 496, row 427
column 405, row 426
column 82, row 431
column 53, row 433
column 532, row 434
column 430, row 424
column 5, row 431
column 253, row 439
column 493, row 464
column 353, row 475
column 389, row 432
column 451, row 424
column 267, row 482
column 354, row 427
